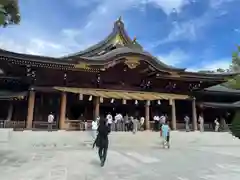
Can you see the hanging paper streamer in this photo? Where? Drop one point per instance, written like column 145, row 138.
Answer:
column 170, row 101
column 136, row 102
column 80, row 97
column 159, row 102
column 101, row 99
column 124, row 101
column 90, row 98
column 112, row 100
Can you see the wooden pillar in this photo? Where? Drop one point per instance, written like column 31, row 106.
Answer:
column 147, row 115
column 63, row 110
column 96, row 112
column 31, row 102
column 174, row 121
column 194, row 115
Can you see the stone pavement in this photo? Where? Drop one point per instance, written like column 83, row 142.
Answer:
column 69, row 156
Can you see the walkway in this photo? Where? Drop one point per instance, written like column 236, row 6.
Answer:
column 68, row 156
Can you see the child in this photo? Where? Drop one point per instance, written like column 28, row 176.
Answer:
column 165, row 132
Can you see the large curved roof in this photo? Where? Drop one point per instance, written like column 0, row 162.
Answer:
column 117, row 36
column 117, row 45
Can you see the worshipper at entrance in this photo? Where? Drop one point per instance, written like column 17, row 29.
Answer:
column 201, row 123
column 135, row 125
column 217, row 125
column 165, row 133
column 109, row 120
column 142, row 120
column 187, row 120
column 156, row 119
column 117, row 120
column 50, row 121
column 94, row 128
column 163, row 120
column 126, row 123
column 102, row 141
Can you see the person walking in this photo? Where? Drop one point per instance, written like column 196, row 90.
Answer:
column 187, row 120
column 165, row 132
column 217, row 125
column 50, row 121
column 142, row 120
column 109, row 120
column 94, row 128
column 201, row 123
column 135, row 125
column 102, row 141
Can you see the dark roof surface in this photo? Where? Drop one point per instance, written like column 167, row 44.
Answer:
column 222, row 105
column 222, row 88
column 11, row 94
column 119, row 52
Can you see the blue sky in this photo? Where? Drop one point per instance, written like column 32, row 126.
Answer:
column 194, row 34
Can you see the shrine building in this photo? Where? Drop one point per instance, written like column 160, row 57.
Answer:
column 115, row 75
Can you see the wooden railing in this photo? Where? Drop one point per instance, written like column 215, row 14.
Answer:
column 16, row 125
column 77, row 125
column 42, row 125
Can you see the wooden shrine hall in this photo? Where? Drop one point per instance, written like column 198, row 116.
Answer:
column 115, row 75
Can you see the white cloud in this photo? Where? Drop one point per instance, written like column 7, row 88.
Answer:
column 216, row 4
column 168, row 6
column 99, row 24
column 223, row 63
column 33, row 46
column 174, row 58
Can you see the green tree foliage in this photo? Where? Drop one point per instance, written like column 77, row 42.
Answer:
column 235, row 67
column 235, row 126
column 9, row 12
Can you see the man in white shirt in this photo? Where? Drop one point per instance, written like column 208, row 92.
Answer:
column 109, row 120
column 187, row 120
column 156, row 119
column 142, row 120
column 163, row 119
column 201, row 123
column 217, row 125
column 50, row 121
column 117, row 120
column 94, row 129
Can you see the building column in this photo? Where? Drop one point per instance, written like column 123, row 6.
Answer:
column 31, row 102
column 96, row 112
column 63, row 110
column 174, row 121
column 147, row 115
column 194, row 115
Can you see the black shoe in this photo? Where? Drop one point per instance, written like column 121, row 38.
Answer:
column 102, row 162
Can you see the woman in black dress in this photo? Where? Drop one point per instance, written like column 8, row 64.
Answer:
column 102, row 141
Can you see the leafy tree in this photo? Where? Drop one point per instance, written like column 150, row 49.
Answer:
column 9, row 12
column 235, row 67
column 235, row 83
column 235, row 126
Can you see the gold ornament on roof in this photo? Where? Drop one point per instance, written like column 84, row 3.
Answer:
column 82, row 65
column 132, row 62
column 118, row 40
column 174, row 74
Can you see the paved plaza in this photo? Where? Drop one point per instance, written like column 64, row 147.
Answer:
column 69, row 156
